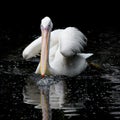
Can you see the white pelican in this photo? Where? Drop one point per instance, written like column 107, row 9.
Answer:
column 60, row 50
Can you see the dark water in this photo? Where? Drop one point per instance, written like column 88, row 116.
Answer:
column 95, row 94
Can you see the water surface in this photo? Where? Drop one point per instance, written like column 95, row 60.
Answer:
column 94, row 94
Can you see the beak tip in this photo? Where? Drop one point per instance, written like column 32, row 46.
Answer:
column 43, row 75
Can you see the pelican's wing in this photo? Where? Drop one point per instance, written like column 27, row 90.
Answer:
column 72, row 41
column 32, row 49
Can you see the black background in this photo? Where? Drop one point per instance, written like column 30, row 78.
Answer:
column 19, row 19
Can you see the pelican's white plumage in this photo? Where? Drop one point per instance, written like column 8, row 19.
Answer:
column 65, row 55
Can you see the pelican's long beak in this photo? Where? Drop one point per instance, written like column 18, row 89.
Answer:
column 44, row 51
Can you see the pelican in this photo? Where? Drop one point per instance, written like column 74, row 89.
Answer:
column 61, row 50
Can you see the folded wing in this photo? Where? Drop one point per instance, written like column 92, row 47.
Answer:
column 72, row 41
column 32, row 49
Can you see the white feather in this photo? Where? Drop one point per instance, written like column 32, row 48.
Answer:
column 72, row 41
column 33, row 49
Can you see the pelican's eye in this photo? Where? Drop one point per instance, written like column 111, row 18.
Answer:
column 49, row 26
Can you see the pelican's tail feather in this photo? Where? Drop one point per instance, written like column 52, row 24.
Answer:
column 86, row 55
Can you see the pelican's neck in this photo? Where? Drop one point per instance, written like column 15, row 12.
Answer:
column 50, row 69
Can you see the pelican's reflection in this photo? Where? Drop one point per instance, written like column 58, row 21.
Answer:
column 54, row 95
column 54, row 92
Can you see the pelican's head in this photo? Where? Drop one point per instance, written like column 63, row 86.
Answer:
column 46, row 27
column 46, row 23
